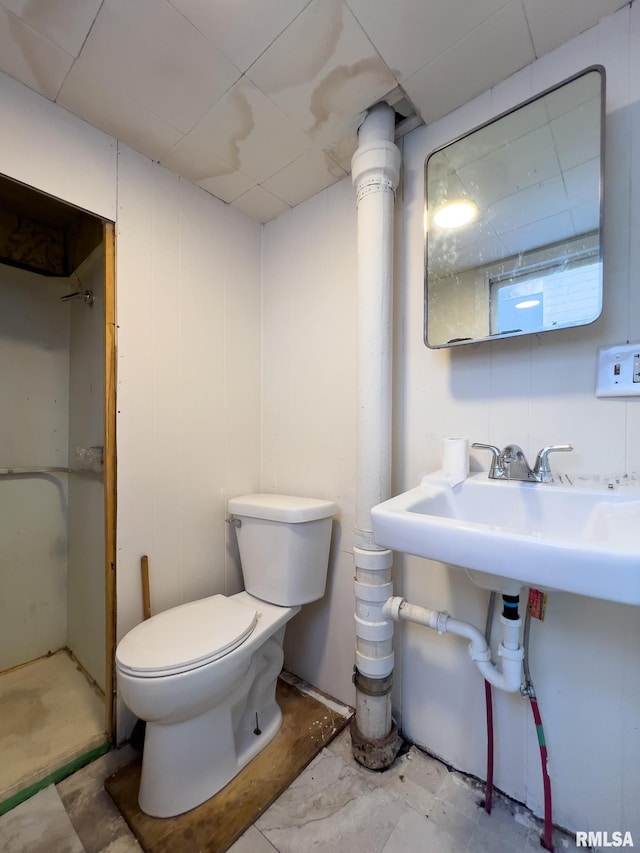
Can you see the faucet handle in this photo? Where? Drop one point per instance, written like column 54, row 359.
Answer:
column 495, row 469
column 541, row 469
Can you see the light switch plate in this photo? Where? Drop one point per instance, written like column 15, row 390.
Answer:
column 618, row 371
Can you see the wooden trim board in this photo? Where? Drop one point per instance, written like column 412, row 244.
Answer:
column 308, row 725
column 110, row 471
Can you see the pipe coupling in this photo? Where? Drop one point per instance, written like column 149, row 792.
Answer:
column 376, row 162
column 378, row 667
column 479, row 654
column 372, row 686
column 441, row 621
column 373, row 593
column 365, row 541
column 371, row 628
column 373, row 559
column 511, row 654
column 373, row 185
column 391, row 607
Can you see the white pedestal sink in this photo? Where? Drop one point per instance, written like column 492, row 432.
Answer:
column 580, row 539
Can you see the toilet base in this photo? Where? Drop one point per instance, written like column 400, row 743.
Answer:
column 186, row 763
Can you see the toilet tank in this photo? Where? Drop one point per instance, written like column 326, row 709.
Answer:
column 284, row 546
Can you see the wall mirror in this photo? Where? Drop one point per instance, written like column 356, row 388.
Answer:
column 514, row 220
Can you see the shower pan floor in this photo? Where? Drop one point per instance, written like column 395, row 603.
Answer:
column 49, row 716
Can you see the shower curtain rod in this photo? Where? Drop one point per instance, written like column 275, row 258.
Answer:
column 11, row 472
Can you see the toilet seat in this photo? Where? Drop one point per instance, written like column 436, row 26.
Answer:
column 185, row 637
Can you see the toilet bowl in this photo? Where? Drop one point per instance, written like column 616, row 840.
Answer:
column 203, row 674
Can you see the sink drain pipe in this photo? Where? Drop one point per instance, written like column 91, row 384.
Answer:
column 375, row 171
column 509, row 677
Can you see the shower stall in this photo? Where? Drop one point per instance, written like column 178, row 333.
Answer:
column 55, row 677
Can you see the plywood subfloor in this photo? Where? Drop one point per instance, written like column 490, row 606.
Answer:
column 307, row 726
column 49, row 716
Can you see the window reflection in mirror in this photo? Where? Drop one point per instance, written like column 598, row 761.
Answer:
column 514, row 220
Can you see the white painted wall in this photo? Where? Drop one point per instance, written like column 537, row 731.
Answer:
column 309, row 407
column 534, row 391
column 34, row 366
column 188, row 384
column 85, row 571
column 46, row 147
column 188, row 311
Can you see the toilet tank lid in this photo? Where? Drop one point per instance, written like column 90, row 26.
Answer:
column 285, row 508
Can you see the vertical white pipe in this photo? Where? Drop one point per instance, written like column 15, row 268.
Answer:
column 375, row 174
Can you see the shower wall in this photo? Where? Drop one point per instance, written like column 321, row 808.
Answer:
column 51, row 525
column 34, row 402
column 85, row 578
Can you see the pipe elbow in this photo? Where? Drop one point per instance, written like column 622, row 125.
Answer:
column 477, row 642
column 509, row 677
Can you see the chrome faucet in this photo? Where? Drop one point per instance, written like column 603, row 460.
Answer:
column 511, row 463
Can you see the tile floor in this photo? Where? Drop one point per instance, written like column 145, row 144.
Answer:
column 334, row 805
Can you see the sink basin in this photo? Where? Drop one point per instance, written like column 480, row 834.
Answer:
column 580, row 539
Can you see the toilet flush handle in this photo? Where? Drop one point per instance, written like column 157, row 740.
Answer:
column 233, row 521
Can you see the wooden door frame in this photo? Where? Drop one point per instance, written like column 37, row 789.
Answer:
column 110, row 494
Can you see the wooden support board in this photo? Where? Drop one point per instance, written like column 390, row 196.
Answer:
column 308, row 725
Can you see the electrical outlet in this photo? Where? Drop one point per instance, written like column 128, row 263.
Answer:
column 618, row 371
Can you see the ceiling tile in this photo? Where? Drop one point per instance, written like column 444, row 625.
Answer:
column 552, row 23
column 63, row 22
column 241, row 29
column 306, row 176
column 246, row 130
column 342, row 150
column 529, row 205
column 228, row 186
column 466, row 257
column 410, row 33
column 322, row 70
column 98, row 100
column 493, row 177
column 30, row 58
column 582, row 183
column 494, row 50
column 260, row 204
column 193, row 158
column 577, row 136
column 486, row 140
column 148, row 49
column 544, row 232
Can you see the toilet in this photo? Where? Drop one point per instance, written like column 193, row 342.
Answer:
column 203, row 674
